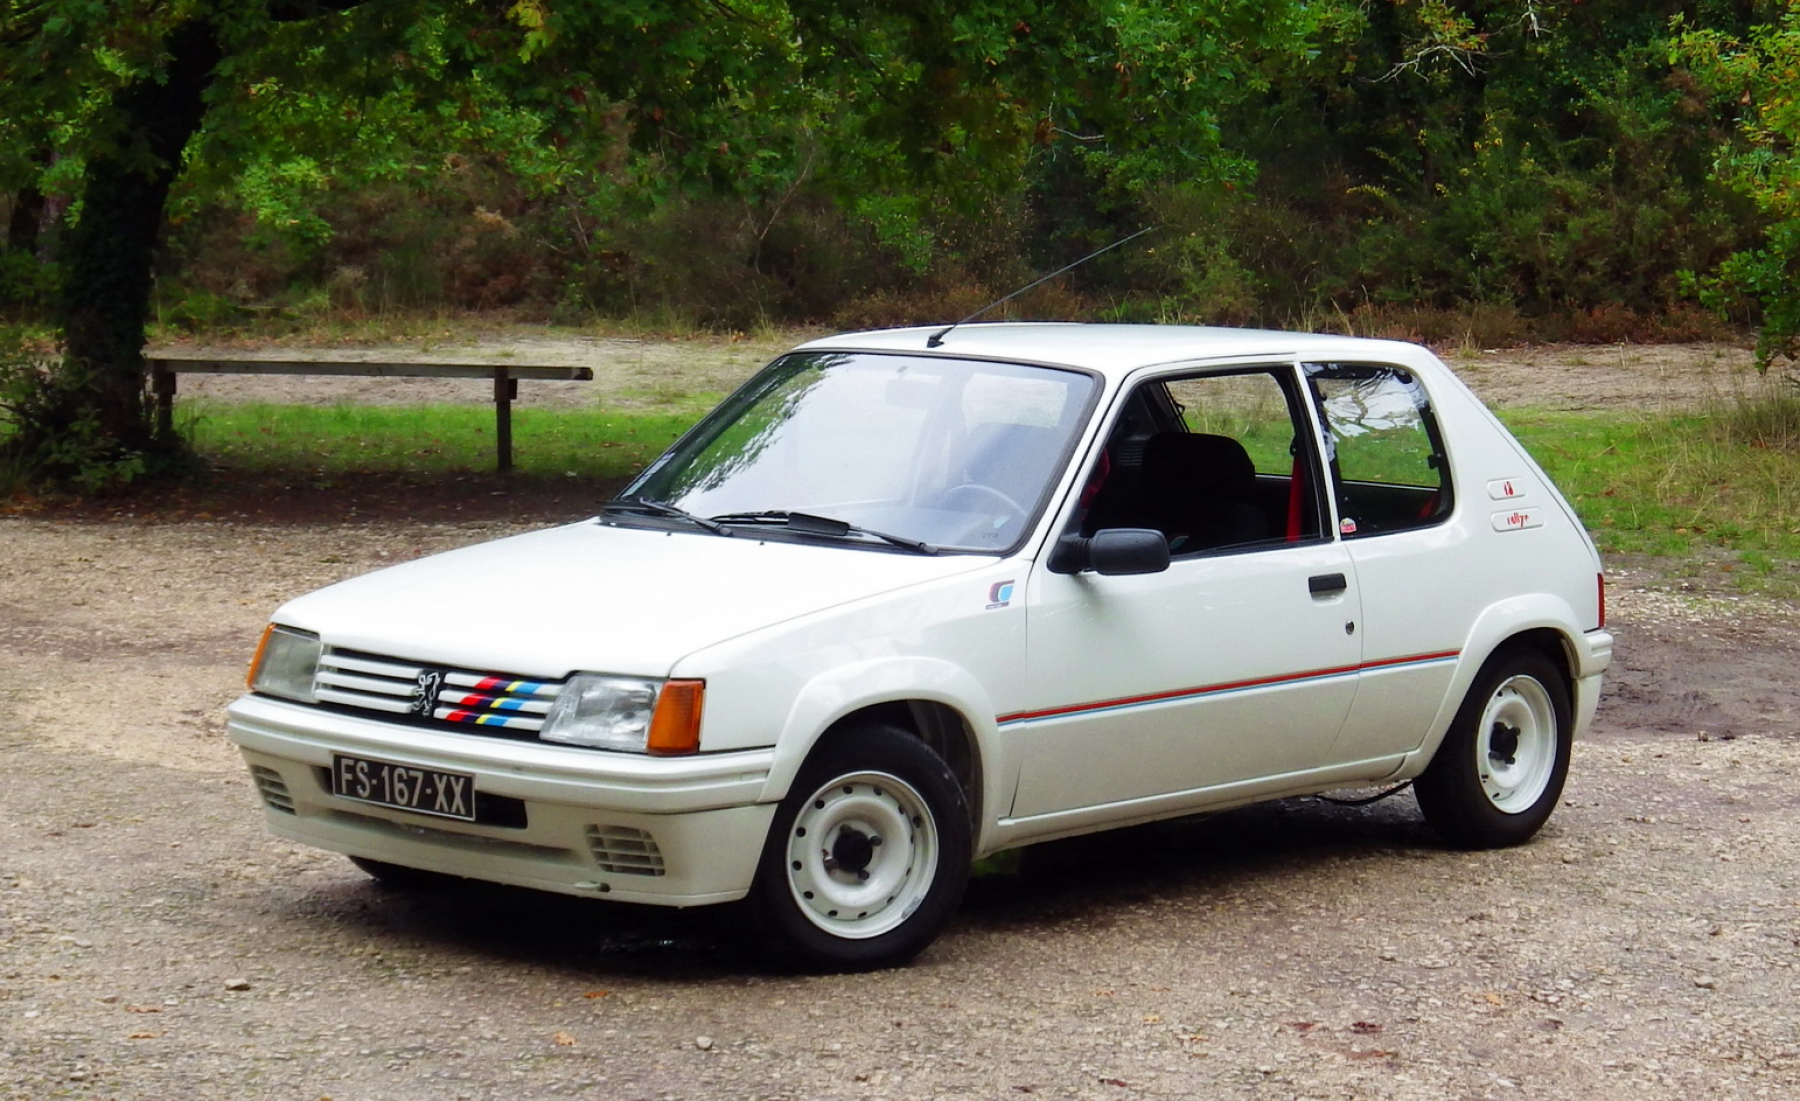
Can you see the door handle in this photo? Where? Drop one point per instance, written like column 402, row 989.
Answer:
column 1326, row 584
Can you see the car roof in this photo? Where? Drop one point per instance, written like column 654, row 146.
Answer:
column 1116, row 349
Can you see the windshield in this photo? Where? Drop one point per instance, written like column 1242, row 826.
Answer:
column 957, row 454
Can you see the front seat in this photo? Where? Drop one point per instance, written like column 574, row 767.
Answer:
column 1200, row 491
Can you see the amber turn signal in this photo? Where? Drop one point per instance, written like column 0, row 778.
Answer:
column 675, row 725
column 262, row 645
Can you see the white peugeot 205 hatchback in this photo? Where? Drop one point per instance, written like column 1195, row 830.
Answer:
column 911, row 597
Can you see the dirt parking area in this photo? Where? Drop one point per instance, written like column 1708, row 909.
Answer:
column 156, row 943
column 1649, row 378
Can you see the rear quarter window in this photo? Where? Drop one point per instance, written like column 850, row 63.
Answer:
column 1389, row 471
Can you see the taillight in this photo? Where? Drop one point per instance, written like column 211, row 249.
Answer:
column 1600, row 584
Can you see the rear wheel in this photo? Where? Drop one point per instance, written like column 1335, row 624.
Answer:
column 1502, row 765
column 868, row 855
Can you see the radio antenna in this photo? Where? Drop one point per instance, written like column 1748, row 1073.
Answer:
column 937, row 338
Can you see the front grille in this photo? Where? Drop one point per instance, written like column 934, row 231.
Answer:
column 368, row 682
column 273, row 788
column 623, row 850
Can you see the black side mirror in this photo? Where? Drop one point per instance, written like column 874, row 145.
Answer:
column 1113, row 552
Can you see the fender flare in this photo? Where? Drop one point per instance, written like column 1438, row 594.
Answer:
column 844, row 690
column 1497, row 625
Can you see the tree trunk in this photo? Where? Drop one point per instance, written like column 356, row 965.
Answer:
column 110, row 253
column 27, row 215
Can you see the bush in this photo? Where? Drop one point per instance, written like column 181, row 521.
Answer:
column 48, row 435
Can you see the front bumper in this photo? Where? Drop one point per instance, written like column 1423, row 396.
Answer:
column 683, row 831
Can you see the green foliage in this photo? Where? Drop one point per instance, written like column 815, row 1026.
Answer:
column 27, row 284
column 1543, row 157
column 1758, row 75
column 48, row 436
column 1540, row 169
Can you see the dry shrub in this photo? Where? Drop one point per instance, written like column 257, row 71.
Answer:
column 222, row 253
column 938, row 303
column 1769, row 420
column 944, row 301
column 1605, row 324
column 1481, row 325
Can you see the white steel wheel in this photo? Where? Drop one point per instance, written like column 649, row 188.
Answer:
column 1500, row 769
column 1516, row 744
column 867, row 857
column 862, row 854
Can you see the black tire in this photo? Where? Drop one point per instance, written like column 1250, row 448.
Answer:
column 868, row 856
column 1501, row 768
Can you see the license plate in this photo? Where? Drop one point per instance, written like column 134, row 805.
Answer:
column 384, row 783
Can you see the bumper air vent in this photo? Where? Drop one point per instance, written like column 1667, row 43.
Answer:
column 273, row 788
column 623, row 850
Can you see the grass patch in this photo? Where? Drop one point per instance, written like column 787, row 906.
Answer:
column 425, row 440
column 1720, row 489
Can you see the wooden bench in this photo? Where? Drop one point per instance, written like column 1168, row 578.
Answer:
column 506, row 376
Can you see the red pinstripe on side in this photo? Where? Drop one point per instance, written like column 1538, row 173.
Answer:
column 1228, row 686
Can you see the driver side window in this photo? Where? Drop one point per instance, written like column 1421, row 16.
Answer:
column 1215, row 462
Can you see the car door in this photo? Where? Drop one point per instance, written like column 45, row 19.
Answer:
column 1237, row 663
column 1394, row 497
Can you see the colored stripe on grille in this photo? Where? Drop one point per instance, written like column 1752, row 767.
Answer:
column 371, row 682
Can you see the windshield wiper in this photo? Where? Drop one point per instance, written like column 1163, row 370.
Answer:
column 659, row 508
column 808, row 524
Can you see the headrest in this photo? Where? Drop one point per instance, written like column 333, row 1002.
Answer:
column 1191, row 462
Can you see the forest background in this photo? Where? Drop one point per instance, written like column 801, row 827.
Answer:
column 1485, row 172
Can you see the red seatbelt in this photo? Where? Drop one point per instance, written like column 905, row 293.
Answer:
column 1296, row 499
column 1096, row 480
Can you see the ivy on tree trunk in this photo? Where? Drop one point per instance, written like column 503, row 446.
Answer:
column 109, row 252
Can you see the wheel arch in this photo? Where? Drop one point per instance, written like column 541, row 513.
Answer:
column 937, row 724
column 1541, row 623
column 938, row 703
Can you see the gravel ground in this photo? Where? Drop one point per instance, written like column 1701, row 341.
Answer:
column 156, row 943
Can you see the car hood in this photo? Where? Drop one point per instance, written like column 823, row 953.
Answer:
column 598, row 598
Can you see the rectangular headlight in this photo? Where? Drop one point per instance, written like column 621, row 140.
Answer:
column 633, row 714
column 603, row 712
column 285, row 664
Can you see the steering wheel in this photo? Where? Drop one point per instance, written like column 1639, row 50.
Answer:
column 986, row 494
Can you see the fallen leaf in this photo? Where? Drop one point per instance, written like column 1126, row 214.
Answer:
column 1152, row 1018
column 1492, row 998
column 143, row 1036
column 1365, row 1028
column 563, row 1039
column 596, row 993
column 1374, row 1053
column 143, row 1009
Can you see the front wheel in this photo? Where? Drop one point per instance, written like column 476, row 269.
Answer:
column 868, row 855
column 1502, row 765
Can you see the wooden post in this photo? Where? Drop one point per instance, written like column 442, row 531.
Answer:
column 162, row 385
column 506, row 389
column 506, row 382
